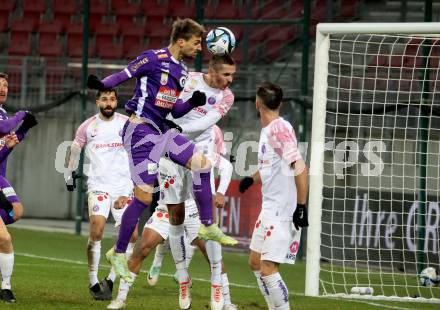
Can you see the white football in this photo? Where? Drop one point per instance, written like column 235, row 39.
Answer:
column 220, row 41
column 429, row 277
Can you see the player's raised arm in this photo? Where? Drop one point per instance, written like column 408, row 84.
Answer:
column 141, row 66
column 7, row 125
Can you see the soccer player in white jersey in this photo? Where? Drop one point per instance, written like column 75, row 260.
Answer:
column 283, row 174
column 196, row 125
column 109, row 185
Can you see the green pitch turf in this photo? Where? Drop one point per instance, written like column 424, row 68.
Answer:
column 50, row 272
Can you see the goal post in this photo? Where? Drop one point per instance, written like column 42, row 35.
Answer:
column 375, row 155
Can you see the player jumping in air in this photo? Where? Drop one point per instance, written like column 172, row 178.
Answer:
column 109, row 185
column 283, row 174
column 11, row 208
column 147, row 136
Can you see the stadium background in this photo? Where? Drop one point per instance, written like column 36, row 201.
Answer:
column 41, row 48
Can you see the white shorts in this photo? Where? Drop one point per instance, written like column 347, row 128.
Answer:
column 176, row 182
column 276, row 241
column 101, row 203
column 160, row 223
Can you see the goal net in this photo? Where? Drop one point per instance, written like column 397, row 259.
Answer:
column 375, row 161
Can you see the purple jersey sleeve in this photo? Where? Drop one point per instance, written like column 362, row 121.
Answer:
column 6, row 125
column 4, row 152
column 142, row 65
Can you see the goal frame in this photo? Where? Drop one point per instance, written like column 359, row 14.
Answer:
column 323, row 33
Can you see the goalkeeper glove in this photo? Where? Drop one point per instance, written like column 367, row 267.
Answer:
column 172, row 125
column 94, row 83
column 71, row 181
column 29, row 120
column 300, row 218
column 245, row 184
column 198, row 99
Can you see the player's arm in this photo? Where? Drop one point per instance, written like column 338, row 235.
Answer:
column 301, row 180
column 29, row 121
column 225, row 169
column 7, row 125
column 11, row 141
column 75, row 151
column 141, row 66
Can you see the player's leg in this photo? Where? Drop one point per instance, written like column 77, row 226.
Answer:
column 256, row 245
column 178, row 250
column 99, row 208
column 153, row 274
column 6, row 264
column 150, row 239
column 275, row 285
column 182, row 152
column 144, row 147
column 11, row 210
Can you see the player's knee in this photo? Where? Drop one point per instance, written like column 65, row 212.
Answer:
column 200, row 163
column 96, row 233
column 145, row 249
column 268, row 268
column 5, row 239
column 253, row 263
column 143, row 196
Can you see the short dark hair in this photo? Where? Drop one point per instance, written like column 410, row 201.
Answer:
column 185, row 29
column 3, row 76
column 111, row 90
column 270, row 94
column 218, row 60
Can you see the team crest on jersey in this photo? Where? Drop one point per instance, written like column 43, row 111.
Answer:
column 211, row 100
column 164, row 78
column 95, row 208
column 263, row 148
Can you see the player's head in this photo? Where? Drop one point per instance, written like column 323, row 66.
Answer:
column 3, row 87
column 269, row 97
column 107, row 102
column 221, row 70
column 186, row 34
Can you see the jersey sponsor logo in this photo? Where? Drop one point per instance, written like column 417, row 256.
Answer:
column 105, row 145
column 211, row 100
column 165, row 64
column 141, row 62
column 166, row 97
column 200, row 110
column 194, row 215
column 9, row 191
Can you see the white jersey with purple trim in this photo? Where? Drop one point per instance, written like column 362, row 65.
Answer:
column 277, row 150
column 108, row 168
column 197, row 124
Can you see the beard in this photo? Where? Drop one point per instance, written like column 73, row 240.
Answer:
column 107, row 111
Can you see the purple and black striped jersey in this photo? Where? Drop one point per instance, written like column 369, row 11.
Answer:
column 159, row 80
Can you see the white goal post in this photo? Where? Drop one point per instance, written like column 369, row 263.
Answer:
column 375, row 155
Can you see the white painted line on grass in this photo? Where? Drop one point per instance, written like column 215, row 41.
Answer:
column 83, row 263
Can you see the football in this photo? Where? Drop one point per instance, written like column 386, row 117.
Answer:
column 429, row 277
column 220, row 41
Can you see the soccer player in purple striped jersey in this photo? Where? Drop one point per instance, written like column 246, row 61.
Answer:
column 11, row 208
column 147, row 135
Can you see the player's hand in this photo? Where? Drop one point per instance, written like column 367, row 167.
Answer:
column 198, row 99
column 29, row 120
column 71, row 181
column 172, row 125
column 245, row 184
column 219, row 200
column 93, row 82
column 300, row 218
column 121, row 202
column 11, row 140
